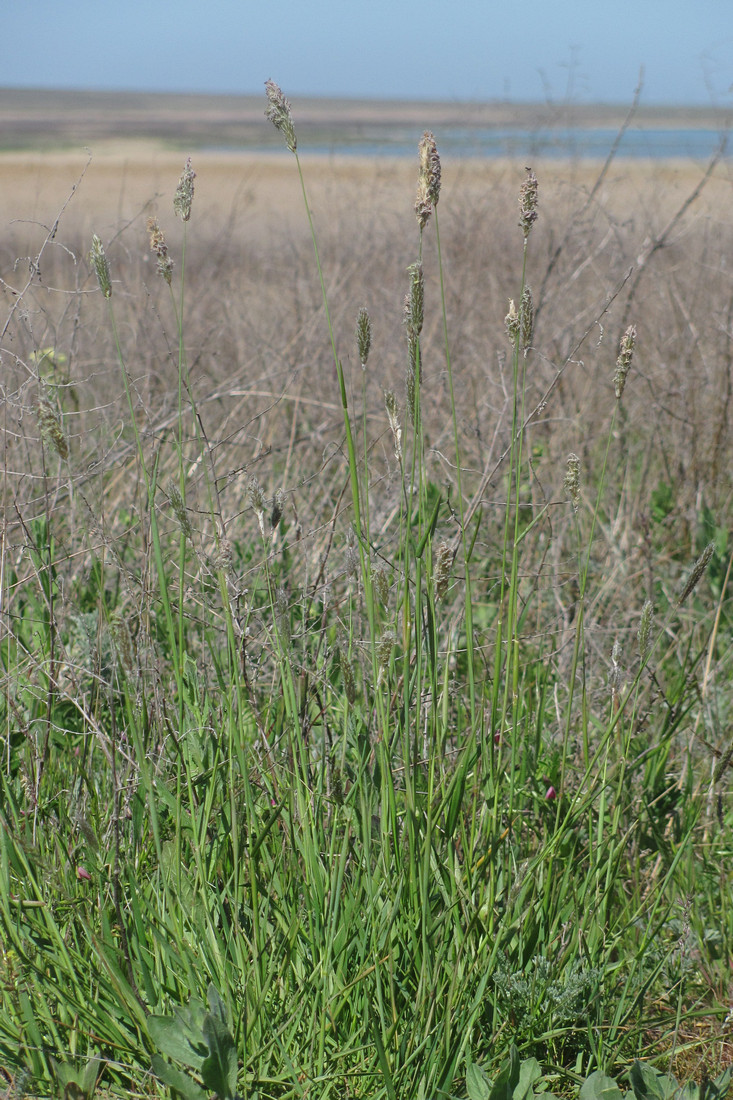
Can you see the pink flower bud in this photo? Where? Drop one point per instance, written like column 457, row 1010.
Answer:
column 551, row 794
column 82, row 874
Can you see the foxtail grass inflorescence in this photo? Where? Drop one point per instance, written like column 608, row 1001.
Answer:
column 571, row 480
column 511, row 321
column 645, row 628
column 390, row 403
column 412, row 316
column 101, row 266
column 428, row 184
column 528, row 203
column 178, row 505
column 183, row 197
column 158, row 246
column 280, row 114
column 257, row 500
column 526, row 319
column 623, row 363
column 443, row 564
column 696, row 573
column 51, row 431
column 363, row 336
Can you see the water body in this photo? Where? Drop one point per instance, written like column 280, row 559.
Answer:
column 519, row 144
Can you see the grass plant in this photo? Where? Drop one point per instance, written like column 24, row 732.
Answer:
column 399, row 737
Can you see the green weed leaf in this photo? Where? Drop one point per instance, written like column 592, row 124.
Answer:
column 529, row 1073
column 507, row 1079
column 219, row 1069
column 177, row 1037
column 177, row 1079
column 649, row 1084
column 478, row 1085
column 600, row 1087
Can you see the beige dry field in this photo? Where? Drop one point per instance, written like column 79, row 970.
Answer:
column 629, row 247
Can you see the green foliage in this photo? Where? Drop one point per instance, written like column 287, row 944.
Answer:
column 201, row 1041
column 525, row 1080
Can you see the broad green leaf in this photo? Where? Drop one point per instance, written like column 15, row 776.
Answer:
column 691, row 1091
column 177, row 1079
column 507, row 1079
column 219, row 1069
column 529, row 1073
column 649, row 1084
column 600, row 1087
column 217, row 1006
column 478, row 1086
column 173, row 1038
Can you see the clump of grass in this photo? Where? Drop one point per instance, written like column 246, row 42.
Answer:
column 363, row 751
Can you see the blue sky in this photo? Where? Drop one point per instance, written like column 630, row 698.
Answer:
column 434, row 49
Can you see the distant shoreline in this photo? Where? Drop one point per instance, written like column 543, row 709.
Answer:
column 46, row 119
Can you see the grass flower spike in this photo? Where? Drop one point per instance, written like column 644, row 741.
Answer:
column 528, row 203
column 428, row 186
column 183, row 197
column 572, row 481
column 526, row 319
column 279, row 113
column 101, row 266
column 50, row 425
column 160, row 248
column 623, row 363
column 645, row 628
column 696, row 573
column 511, row 321
column 363, row 336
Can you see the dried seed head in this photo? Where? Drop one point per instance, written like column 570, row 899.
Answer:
column 696, row 573
column 385, row 645
column 222, row 561
column 428, row 184
column 101, row 266
column 623, row 363
column 415, row 302
column 390, row 403
column 160, row 248
column 178, row 505
column 645, row 628
column 511, row 322
column 571, row 480
column 526, row 319
column 48, row 421
column 443, row 563
column 257, row 500
column 528, row 203
column 381, row 584
column 278, row 506
column 413, row 320
column 183, row 197
column 363, row 336
column 279, row 113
